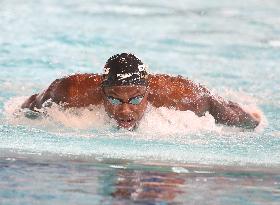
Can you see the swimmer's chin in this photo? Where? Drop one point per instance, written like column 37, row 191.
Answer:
column 128, row 125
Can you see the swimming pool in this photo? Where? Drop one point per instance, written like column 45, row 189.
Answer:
column 78, row 157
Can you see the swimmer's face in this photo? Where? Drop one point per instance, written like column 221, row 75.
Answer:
column 126, row 104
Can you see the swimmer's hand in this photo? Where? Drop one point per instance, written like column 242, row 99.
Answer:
column 231, row 114
column 256, row 116
column 32, row 114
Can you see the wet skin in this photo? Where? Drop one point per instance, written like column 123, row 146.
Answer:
column 174, row 92
column 127, row 115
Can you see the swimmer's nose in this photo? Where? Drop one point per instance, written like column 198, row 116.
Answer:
column 125, row 109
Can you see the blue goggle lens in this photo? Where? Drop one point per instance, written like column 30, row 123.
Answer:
column 134, row 101
column 114, row 101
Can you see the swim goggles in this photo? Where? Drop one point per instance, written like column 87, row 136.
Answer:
column 133, row 101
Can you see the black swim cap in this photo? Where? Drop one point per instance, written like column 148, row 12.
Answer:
column 124, row 69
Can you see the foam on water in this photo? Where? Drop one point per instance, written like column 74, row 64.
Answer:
column 163, row 134
column 162, row 121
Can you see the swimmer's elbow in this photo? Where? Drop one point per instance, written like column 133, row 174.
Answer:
column 30, row 103
column 55, row 93
column 58, row 91
column 30, row 107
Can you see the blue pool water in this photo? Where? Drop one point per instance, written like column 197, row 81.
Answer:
column 78, row 157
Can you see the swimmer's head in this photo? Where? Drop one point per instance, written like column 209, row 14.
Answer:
column 124, row 69
column 125, row 89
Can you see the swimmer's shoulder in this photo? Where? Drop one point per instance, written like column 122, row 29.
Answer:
column 179, row 84
column 80, row 78
column 175, row 91
column 76, row 90
column 76, row 81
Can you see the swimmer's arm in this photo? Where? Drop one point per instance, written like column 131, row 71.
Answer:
column 30, row 103
column 231, row 114
column 56, row 92
column 78, row 90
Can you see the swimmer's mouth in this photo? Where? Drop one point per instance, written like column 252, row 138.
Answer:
column 126, row 123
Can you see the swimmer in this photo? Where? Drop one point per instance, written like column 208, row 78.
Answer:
column 125, row 88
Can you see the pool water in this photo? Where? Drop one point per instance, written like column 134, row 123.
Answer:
column 79, row 157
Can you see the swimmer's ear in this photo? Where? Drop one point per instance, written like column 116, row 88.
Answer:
column 104, row 77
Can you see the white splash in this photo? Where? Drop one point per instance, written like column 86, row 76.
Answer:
column 156, row 122
column 163, row 134
column 163, row 120
column 57, row 118
column 274, row 43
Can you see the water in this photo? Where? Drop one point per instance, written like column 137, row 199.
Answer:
column 78, row 157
